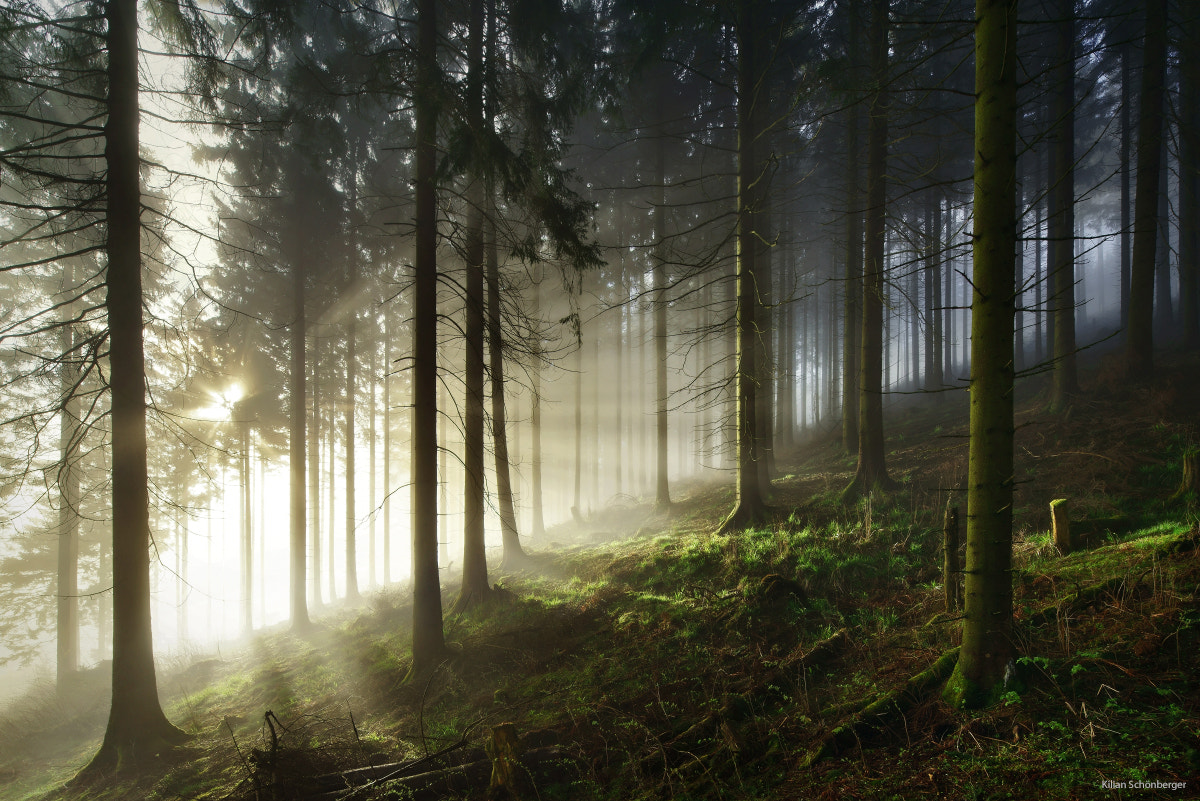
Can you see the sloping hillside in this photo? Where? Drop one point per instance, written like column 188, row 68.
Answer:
column 642, row 656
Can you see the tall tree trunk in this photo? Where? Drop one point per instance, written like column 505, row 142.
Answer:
column 69, row 433
column 576, row 508
column 872, row 471
column 765, row 277
column 314, row 476
column 1140, row 323
column 475, row 580
column 1126, row 169
column 387, row 447
column 987, row 628
column 662, row 489
column 594, row 418
column 1061, row 217
column 1164, row 314
column 948, row 294
column 429, row 642
column 296, row 455
column 247, row 532
column 852, row 301
column 619, row 384
column 914, row 329
column 137, row 727
column 642, row 382
column 371, row 437
column 513, row 552
column 538, row 524
column 348, row 409
column 933, row 280
column 751, row 503
column 1189, row 184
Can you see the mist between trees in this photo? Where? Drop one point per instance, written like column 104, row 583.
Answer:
column 303, row 299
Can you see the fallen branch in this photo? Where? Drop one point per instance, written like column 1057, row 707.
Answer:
column 883, row 710
column 542, row 765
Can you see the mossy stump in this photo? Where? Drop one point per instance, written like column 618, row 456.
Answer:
column 1060, row 525
column 507, row 774
column 1190, row 483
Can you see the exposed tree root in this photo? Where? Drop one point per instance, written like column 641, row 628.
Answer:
column 883, row 710
column 744, row 515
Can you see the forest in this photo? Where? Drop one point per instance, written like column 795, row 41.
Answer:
column 599, row 399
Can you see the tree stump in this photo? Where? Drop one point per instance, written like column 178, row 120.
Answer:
column 950, row 567
column 1190, row 483
column 1060, row 525
column 507, row 774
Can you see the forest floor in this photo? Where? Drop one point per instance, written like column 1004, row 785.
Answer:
column 643, row 656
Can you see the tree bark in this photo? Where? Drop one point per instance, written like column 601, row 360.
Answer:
column 1139, row 350
column 1061, row 214
column 513, row 552
column 934, row 376
column 314, row 475
column 296, row 455
column 69, row 433
column 750, row 506
column 662, row 489
column 247, row 532
column 387, row 447
column 429, row 642
column 872, row 472
column 852, row 314
column 1189, row 184
column 1126, row 168
column 372, row 573
column 987, row 628
column 538, row 525
column 475, row 579
column 137, row 728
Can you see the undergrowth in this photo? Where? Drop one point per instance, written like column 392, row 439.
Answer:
column 669, row 662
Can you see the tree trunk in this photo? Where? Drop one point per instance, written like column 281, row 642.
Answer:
column 538, row 525
column 371, row 437
column 387, row 447
column 765, row 315
column 750, row 507
column 475, row 579
column 934, row 379
column 1164, row 313
column 619, row 390
column 852, row 314
column 247, row 532
column 576, row 510
column 314, row 476
column 331, row 427
column 872, row 472
column 1126, row 169
column 1061, row 215
column 1139, row 340
column 137, row 728
column 296, row 456
column 950, row 568
column 348, row 410
column 1189, row 185
column 662, row 490
column 69, row 433
column 429, row 642
column 987, row 628
column 513, row 552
